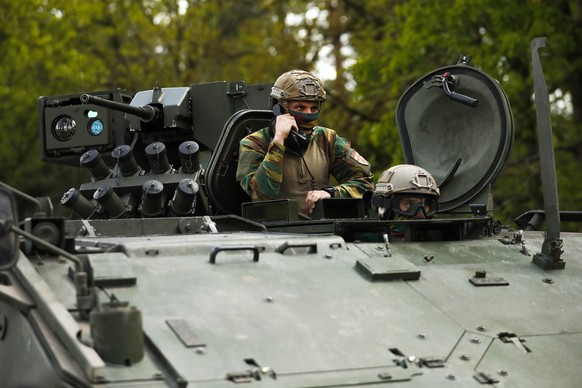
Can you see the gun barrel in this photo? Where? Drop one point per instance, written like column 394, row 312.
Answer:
column 145, row 113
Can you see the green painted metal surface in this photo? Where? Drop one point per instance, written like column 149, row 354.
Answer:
column 304, row 315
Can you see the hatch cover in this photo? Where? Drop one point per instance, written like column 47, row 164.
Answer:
column 456, row 123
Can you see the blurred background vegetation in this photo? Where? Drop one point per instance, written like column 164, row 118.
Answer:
column 369, row 52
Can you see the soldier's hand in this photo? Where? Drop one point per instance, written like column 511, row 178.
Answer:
column 312, row 198
column 283, row 125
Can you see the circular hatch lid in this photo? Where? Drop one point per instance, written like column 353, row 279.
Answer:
column 456, row 122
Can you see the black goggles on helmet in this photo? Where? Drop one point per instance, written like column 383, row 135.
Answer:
column 410, row 204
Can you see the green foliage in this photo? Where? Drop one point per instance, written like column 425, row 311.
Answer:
column 395, row 48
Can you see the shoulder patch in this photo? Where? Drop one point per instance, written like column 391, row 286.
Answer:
column 358, row 158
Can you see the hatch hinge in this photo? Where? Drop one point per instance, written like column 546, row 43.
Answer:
column 484, row 378
column 244, row 377
column 251, row 375
column 403, row 361
column 255, row 373
column 507, row 338
column 431, row 362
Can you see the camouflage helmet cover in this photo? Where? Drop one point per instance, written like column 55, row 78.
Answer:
column 297, row 85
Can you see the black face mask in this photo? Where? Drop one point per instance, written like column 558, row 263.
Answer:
column 305, row 120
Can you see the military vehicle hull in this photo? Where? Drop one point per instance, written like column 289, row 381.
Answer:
column 479, row 312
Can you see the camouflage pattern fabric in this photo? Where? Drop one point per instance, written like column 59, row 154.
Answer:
column 260, row 165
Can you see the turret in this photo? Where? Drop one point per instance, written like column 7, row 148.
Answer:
column 146, row 154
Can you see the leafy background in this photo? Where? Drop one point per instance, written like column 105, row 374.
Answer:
column 368, row 52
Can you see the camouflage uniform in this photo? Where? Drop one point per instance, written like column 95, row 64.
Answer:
column 262, row 163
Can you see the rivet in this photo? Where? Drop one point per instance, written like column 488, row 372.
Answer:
column 422, row 336
column 328, row 256
column 475, row 340
column 481, row 328
column 200, row 350
column 465, row 357
column 503, row 372
column 269, row 299
column 451, row 377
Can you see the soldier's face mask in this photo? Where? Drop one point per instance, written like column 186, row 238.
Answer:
column 412, row 205
column 305, row 113
column 304, row 119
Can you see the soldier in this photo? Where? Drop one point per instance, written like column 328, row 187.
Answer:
column 405, row 192
column 293, row 158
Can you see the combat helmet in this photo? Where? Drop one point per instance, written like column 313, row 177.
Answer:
column 401, row 182
column 297, row 85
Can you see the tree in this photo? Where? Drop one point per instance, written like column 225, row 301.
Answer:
column 397, row 42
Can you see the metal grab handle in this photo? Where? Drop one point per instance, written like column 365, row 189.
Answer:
column 312, row 247
column 449, row 176
column 456, row 96
column 218, row 249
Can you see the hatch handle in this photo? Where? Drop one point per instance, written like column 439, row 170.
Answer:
column 311, row 247
column 450, row 174
column 448, row 77
column 218, row 249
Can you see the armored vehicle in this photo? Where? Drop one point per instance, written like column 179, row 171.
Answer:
column 165, row 274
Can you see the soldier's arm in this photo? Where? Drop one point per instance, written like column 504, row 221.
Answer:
column 259, row 172
column 350, row 169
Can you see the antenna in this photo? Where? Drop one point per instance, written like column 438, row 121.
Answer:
column 552, row 249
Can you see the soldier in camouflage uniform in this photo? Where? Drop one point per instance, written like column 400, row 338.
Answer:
column 293, row 158
column 405, row 192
